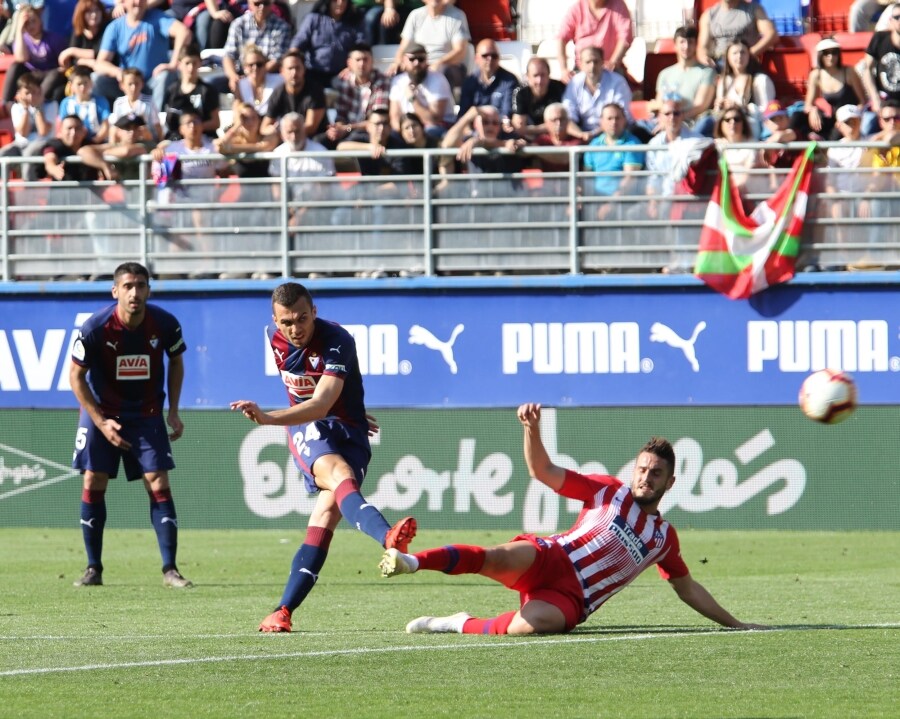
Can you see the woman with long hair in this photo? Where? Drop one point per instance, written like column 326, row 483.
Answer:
column 738, row 86
column 89, row 20
column 256, row 85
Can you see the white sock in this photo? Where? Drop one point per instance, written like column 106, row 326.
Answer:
column 411, row 561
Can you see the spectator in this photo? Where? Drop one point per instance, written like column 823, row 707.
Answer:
column 443, row 31
column 91, row 109
column 377, row 141
column 490, row 84
column 864, row 15
column 88, row 23
column 590, row 91
column 660, row 187
column 325, row 37
column 257, row 84
column 191, row 94
column 421, row 91
column 836, row 84
column 605, row 24
column 880, row 76
column 209, row 20
column 297, row 94
column 691, row 81
column 738, row 86
column 262, row 28
column 70, row 142
column 129, row 137
column 889, row 122
column 480, row 127
column 384, row 19
column 32, row 120
column 886, row 163
column 412, row 132
column 731, row 129
column 360, row 88
column 140, row 39
column 532, row 98
column 34, row 50
column 728, row 21
column 613, row 124
column 244, row 136
column 556, row 122
column 135, row 102
column 845, row 164
column 301, row 167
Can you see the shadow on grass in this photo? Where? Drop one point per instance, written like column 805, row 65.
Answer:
column 662, row 629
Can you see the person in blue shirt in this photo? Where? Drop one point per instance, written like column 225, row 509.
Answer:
column 625, row 160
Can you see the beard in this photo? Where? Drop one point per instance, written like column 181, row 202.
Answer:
column 417, row 74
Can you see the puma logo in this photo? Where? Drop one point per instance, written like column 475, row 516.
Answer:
column 418, row 335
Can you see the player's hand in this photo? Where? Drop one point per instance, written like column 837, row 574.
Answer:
column 529, row 414
column 250, row 410
column 373, row 425
column 174, row 421
column 110, row 429
column 758, row 627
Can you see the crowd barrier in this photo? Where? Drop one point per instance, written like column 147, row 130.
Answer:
column 530, row 222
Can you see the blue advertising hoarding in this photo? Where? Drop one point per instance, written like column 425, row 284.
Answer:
column 478, row 347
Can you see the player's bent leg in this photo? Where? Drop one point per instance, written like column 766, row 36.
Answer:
column 506, row 563
column 538, row 617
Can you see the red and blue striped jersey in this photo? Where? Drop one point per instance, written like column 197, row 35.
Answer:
column 126, row 368
column 331, row 351
column 614, row 540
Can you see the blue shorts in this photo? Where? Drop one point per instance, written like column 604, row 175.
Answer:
column 150, row 448
column 310, row 441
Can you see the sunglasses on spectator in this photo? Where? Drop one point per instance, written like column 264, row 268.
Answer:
column 889, row 118
column 490, row 55
column 830, row 52
column 417, row 58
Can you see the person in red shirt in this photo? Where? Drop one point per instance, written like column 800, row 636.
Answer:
column 564, row 578
column 596, row 23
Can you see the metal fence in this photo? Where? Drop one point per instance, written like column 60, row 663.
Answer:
column 529, row 222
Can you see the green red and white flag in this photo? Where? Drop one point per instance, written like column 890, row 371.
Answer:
column 740, row 255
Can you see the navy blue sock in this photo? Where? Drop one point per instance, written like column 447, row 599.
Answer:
column 165, row 522
column 305, row 568
column 93, row 518
column 362, row 515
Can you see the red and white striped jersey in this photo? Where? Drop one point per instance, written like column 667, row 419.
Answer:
column 614, row 540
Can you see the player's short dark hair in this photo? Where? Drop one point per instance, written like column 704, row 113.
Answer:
column 361, row 47
column 131, row 268
column 662, row 448
column 289, row 294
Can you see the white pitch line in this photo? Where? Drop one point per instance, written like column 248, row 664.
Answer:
column 413, row 648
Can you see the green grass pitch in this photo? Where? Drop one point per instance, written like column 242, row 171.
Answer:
column 135, row 649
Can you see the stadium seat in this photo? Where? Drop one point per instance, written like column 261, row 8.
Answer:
column 547, row 50
column 635, row 59
column 383, row 56
column 786, row 15
column 639, row 109
column 828, row 16
column 488, row 18
column 539, row 20
column 514, row 56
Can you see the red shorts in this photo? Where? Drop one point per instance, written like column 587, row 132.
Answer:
column 552, row 579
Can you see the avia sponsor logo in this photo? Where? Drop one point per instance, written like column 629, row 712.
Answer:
column 133, row 367
column 21, row 472
column 299, row 385
column 806, row 346
column 572, row 347
column 632, row 543
column 37, row 362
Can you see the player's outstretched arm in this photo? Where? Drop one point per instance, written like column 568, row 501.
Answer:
column 328, row 389
column 695, row 595
column 539, row 465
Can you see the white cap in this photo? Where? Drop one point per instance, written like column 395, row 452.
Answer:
column 846, row 112
column 827, row 44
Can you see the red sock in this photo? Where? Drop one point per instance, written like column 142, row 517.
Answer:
column 495, row 625
column 92, row 496
column 453, row 559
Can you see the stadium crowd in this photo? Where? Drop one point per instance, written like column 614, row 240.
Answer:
column 130, row 81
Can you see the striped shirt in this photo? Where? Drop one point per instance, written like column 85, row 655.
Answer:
column 614, row 540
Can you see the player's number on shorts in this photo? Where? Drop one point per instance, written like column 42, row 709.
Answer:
column 81, row 438
column 300, row 439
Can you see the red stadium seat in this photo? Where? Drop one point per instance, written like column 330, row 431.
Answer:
column 488, row 18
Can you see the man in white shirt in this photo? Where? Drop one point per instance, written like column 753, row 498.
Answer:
column 590, row 91
column 294, row 139
column 423, row 92
column 443, row 30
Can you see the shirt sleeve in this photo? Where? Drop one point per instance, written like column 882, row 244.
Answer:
column 672, row 566
column 585, row 487
column 623, row 25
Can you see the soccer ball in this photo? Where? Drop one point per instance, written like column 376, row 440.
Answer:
column 828, row 396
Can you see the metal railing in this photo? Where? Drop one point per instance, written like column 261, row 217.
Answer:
column 430, row 224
